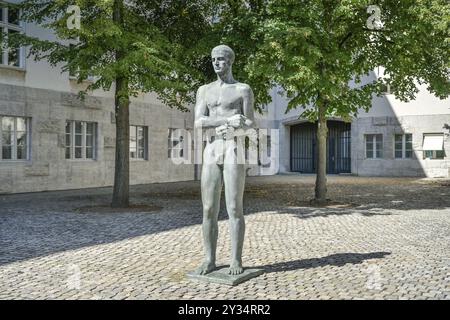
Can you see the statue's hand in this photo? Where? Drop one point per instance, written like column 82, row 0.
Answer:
column 225, row 131
column 221, row 130
column 236, row 121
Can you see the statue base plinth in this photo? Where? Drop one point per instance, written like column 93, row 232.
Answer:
column 220, row 275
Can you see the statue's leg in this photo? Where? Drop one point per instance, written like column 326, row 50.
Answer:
column 234, row 180
column 211, row 185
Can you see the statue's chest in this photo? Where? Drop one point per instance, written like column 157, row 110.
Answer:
column 220, row 100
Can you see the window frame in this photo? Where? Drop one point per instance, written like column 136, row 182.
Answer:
column 74, row 74
column 181, row 144
column 145, row 149
column 434, row 155
column 403, row 150
column 84, row 146
column 14, row 145
column 434, row 152
column 5, row 26
column 387, row 89
column 374, row 143
column 267, row 150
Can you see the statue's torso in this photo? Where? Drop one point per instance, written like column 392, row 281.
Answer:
column 224, row 101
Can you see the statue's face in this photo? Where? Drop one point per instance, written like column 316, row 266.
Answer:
column 221, row 62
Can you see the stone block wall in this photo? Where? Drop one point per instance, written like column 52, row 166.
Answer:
column 47, row 168
column 388, row 165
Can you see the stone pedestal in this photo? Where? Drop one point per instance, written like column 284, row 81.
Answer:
column 220, row 275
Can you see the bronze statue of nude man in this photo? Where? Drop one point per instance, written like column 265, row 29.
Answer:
column 226, row 106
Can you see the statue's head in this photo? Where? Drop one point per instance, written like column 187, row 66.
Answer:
column 222, row 58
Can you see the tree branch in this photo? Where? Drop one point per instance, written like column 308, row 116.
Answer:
column 376, row 30
column 345, row 39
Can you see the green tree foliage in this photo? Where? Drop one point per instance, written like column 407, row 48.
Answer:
column 321, row 53
column 316, row 48
column 238, row 23
column 130, row 47
column 156, row 39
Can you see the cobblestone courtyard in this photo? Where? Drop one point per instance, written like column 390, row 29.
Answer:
column 390, row 239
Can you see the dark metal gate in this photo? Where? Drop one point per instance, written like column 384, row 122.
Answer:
column 304, row 150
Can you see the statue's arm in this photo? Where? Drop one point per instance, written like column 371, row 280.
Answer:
column 248, row 115
column 202, row 118
column 247, row 108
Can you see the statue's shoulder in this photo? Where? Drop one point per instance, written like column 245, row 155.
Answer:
column 204, row 88
column 245, row 88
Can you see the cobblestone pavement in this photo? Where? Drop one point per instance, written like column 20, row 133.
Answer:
column 391, row 242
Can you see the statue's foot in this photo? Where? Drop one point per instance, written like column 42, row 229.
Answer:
column 206, row 267
column 235, row 268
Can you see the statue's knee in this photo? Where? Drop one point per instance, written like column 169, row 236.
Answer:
column 234, row 210
column 236, row 216
column 209, row 212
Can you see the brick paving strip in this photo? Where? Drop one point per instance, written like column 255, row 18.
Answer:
column 389, row 239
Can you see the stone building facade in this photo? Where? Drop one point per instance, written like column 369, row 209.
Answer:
column 394, row 138
column 54, row 160
column 51, row 140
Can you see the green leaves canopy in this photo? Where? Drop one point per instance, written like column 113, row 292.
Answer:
column 311, row 49
column 155, row 48
column 315, row 49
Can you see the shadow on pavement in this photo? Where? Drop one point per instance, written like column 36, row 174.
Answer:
column 39, row 224
column 338, row 259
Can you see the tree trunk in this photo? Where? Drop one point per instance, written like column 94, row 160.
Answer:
column 321, row 178
column 121, row 193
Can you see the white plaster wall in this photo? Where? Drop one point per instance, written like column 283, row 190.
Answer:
column 41, row 75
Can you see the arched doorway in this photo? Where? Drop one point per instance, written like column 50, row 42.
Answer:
column 303, row 156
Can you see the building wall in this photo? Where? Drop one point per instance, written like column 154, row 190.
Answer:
column 48, row 111
column 388, row 116
column 47, row 96
column 388, row 165
column 424, row 104
column 47, row 168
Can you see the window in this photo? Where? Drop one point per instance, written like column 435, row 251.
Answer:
column 374, row 146
column 269, row 146
column 75, row 72
column 403, row 146
column 175, row 144
column 252, row 152
column 10, row 24
column 433, row 146
column 387, row 88
column 15, row 141
column 138, row 142
column 80, row 140
column 266, row 151
column 434, row 154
